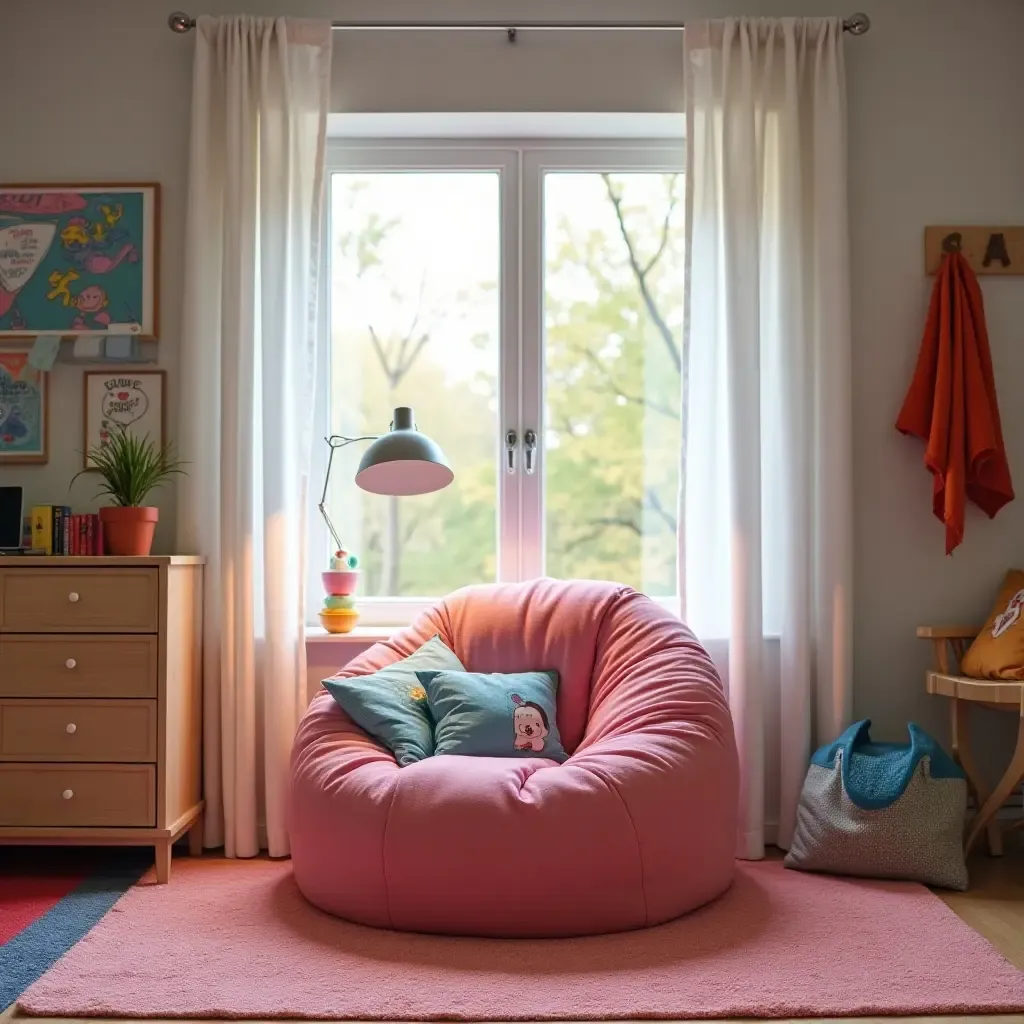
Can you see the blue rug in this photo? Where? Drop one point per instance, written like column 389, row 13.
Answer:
column 39, row 943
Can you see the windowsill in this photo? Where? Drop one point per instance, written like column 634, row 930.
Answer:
column 359, row 635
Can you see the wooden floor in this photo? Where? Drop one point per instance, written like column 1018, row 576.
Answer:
column 994, row 906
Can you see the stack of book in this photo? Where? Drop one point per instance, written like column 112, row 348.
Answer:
column 56, row 530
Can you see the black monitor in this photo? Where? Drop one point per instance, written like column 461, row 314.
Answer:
column 10, row 518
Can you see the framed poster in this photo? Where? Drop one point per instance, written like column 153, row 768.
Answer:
column 24, row 410
column 79, row 259
column 132, row 400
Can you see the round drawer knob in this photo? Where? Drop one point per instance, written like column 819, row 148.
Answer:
column 70, row 663
column 73, row 597
column 68, row 794
column 71, row 727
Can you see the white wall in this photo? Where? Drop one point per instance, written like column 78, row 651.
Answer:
column 935, row 137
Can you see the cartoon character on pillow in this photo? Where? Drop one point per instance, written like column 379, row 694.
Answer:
column 529, row 723
column 1008, row 617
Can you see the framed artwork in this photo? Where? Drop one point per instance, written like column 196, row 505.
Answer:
column 79, row 259
column 128, row 399
column 24, row 409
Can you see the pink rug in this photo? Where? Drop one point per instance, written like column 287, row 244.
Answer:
column 236, row 939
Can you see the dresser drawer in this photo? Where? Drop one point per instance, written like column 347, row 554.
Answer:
column 81, row 795
column 78, row 730
column 79, row 600
column 35, row 665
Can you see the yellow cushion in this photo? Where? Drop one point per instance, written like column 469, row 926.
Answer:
column 998, row 650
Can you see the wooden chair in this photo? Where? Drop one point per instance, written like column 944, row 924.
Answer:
column 1001, row 694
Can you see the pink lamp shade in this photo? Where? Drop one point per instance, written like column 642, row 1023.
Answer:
column 404, row 461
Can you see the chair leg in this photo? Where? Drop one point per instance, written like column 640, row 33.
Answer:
column 1006, row 785
column 964, row 756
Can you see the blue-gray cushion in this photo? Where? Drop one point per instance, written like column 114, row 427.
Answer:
column 391, row 704
column 494, row 715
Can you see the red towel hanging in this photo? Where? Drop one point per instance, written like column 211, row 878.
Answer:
column 952, row 405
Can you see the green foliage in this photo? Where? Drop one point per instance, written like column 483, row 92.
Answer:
column 445, row 539
column 612, row 370
column 131, row 467
column 363, row 243
column 613, row 328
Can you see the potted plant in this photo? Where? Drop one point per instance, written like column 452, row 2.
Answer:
column 131, row 467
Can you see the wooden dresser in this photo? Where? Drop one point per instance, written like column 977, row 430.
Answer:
column 101, row 702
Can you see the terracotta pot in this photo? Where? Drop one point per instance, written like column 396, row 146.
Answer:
column 128, row 531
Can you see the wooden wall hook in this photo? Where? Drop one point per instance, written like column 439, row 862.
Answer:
column 988, row 250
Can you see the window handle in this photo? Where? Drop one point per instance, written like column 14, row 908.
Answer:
column 511, row 440
column 529, row 447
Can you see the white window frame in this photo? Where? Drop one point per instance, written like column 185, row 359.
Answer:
column 521, row 165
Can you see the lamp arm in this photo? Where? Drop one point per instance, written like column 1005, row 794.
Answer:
column 334, row 442
column 341, row 441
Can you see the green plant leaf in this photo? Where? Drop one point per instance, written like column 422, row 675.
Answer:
column 131, row 467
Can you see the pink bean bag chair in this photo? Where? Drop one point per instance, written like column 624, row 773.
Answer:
column 636, row 828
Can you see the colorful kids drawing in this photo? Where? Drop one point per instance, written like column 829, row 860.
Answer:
column 91, row 245
column 23, row 247
column 78, row 260
column 12, row 427
column 21, row 407
column 90, row 303
column 59, row 286
column 529, row 724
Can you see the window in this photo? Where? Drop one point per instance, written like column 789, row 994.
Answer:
column 509, row 295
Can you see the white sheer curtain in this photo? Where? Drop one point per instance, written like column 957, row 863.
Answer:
column 248, row 358
column 765, row 558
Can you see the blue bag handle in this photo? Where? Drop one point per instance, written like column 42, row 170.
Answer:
column 902, row 763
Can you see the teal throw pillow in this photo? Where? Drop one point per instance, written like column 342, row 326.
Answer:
column 494, row 715
column 391, row 704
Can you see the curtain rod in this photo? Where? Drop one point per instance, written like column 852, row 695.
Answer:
column 180, row 22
